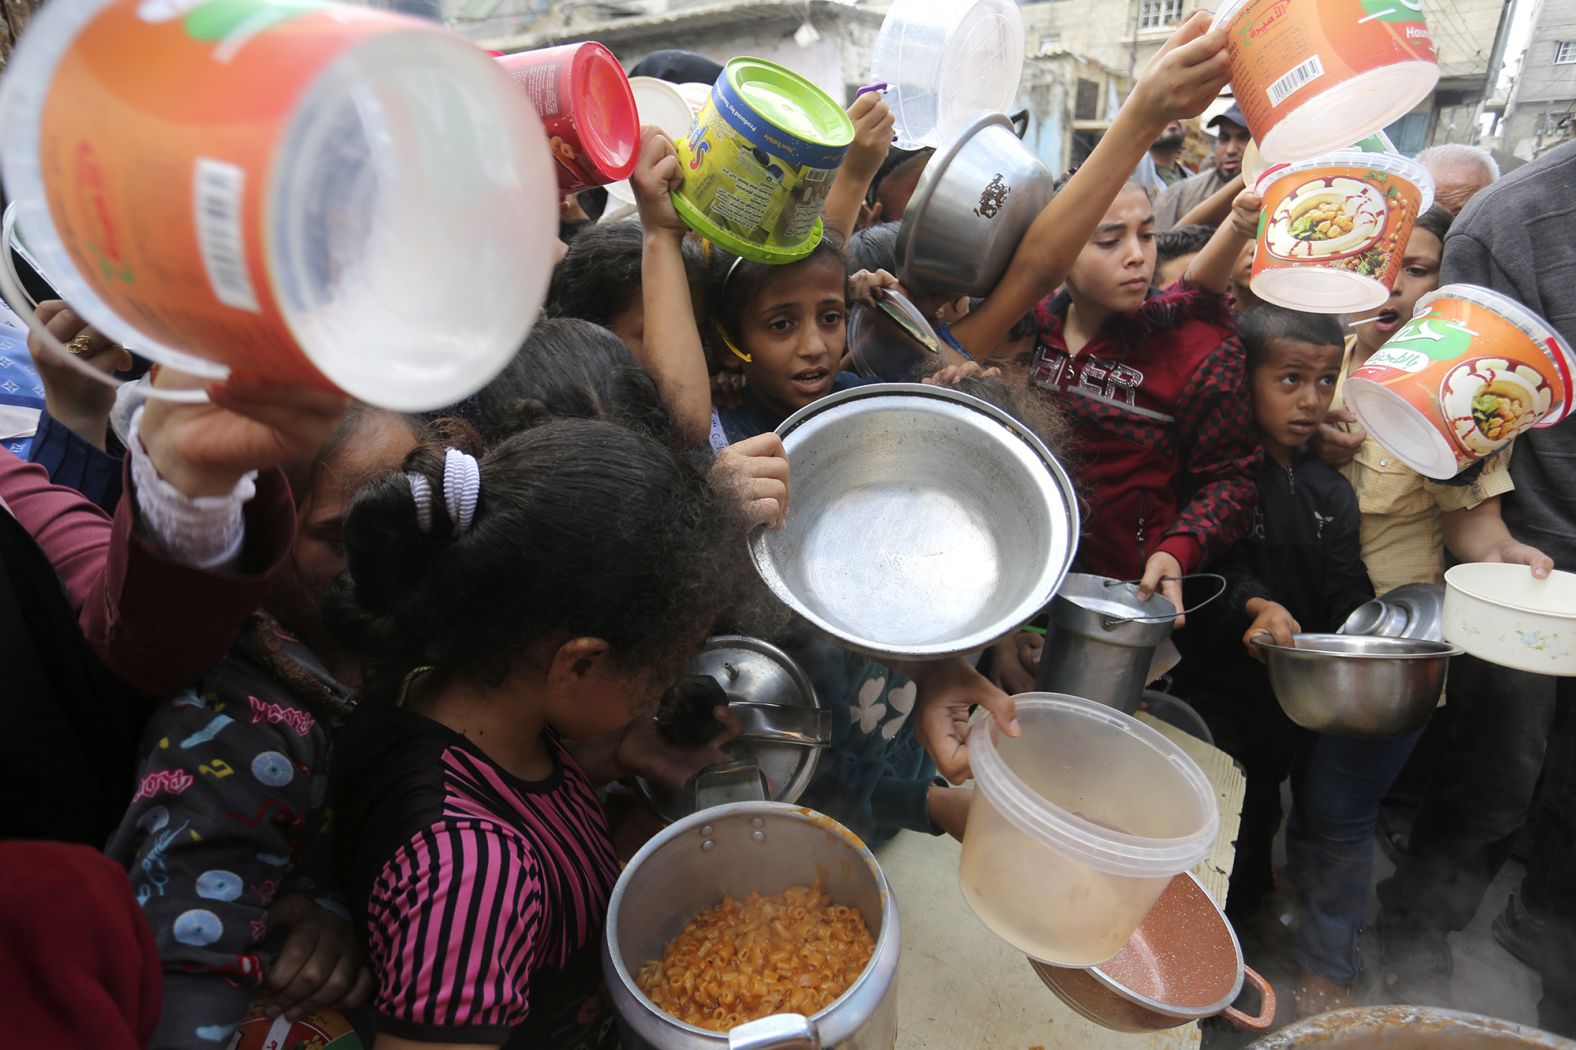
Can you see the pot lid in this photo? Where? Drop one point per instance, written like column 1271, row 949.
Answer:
column 784, row 729
column 1111, row 609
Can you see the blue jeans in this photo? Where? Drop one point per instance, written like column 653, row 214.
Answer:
column 1337, row 785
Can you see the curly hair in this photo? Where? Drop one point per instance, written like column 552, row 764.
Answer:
column 599, row 277
column 583, row 528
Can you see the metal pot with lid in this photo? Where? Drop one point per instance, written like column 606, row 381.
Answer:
column 736, row 850
column 784, row 729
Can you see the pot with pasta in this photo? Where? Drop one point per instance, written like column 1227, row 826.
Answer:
column 753, row 926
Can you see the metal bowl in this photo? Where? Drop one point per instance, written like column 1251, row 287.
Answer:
column 1356, row 686
column 925, row 523
column 1407, row 1028
column 974, row 202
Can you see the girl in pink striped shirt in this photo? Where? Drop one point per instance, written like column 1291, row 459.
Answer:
column 548, row 593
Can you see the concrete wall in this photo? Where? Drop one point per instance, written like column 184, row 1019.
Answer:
column 1541, row 80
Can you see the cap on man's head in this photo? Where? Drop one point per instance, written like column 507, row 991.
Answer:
column 1232, row 115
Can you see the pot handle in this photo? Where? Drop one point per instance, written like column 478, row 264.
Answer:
column 777, row 1032
column 1266, row 1014
column 1112, row 622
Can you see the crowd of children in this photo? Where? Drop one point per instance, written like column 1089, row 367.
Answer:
column 339, row 689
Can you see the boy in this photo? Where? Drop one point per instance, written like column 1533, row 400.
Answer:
column 1299, row 569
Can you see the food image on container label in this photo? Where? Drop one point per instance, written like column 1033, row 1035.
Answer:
column 1313, row 75
column 1328, row 218
column 1461, row 379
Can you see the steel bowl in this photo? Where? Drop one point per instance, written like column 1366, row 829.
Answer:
column 925, row 523
column 974, row 202
column 1182, row 964
column 1358, row 686
column 1407, row 1028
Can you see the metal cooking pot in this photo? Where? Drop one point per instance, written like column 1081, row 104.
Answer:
column 783, row 731
column 974, row 202
column 1182, row 964
column 926, row 523
column 1358, row 686
column 1407, row 1028
column 759, row 847
column 1103, row 640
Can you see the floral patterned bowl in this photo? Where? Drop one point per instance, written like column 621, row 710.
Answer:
column 1502, row 614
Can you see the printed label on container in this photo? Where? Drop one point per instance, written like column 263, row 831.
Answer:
column 1339, row 218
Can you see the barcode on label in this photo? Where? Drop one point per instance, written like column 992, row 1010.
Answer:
column 219, row 198
column 1302, row 74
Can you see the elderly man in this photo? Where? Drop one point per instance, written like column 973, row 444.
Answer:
column 1231, row 138
column 1459, row 172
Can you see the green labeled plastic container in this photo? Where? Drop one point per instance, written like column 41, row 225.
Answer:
column 759, row 162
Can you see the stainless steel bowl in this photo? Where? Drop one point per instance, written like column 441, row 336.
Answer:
column 925, row 523
column 1356, row 686
column 974, row 202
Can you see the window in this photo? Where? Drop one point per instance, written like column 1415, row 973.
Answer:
column 1565, row 52
column 1157, row 14
column 1086, row 102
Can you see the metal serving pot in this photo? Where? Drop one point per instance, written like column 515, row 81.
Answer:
column 1408, row 1028
column 926, row 523
column 975, row 200
column 1358, row 686
column 734, row 850
column 1182, row 964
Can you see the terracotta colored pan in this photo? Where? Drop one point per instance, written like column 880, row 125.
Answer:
column 1183, row 964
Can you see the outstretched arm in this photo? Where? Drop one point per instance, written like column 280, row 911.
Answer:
column 1211, row 268
column 873, row 124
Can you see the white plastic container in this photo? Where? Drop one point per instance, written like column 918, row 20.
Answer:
column 1077, row 826
column 662, row 105
column 318, row 194
column 945, row 62
column 1504, row 615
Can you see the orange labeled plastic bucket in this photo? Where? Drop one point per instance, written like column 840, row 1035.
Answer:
column 586, row 104
column 1334, row 230
column 303, row 192
column 1469, row 371
column 1312, row 76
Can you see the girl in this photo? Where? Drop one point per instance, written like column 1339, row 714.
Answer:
column 549, row 592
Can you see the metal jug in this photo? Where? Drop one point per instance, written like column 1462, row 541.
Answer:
column 1103, row 639
column 734, row 850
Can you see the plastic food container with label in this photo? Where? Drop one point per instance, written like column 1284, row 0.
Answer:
column 1334, row 230
column 307, row 193
column 1312, row 76
column 1077, row 826
column 585, row 102
column 1469, row 371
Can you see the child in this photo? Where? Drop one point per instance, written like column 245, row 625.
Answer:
column 1175, row 249
column 226, row 837
column 549, row 592
column 1298, row 569
column 598, row 280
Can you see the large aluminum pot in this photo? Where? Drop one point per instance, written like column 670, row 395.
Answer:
column 926, row 523
column 1358, row 686
column 760, row 847
column 974, row 202
column 1407, row 1028
column 1103, row 641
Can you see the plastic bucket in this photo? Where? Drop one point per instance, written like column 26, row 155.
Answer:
column 1334, row 230
column 322, row 194
column 759, row 162
column 945, row 62
column 661, row 105
column 584, row 100
column 1469, row 371
column 1312, row 76
column 1077, row 826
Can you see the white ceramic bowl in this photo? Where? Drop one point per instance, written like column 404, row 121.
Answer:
column 1502, row 614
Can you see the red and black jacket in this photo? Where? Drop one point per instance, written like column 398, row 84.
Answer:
column 1161, row 408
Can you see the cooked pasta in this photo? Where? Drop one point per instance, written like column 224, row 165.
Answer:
column 795, row 952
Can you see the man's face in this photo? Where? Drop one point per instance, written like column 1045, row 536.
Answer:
column 1173, row 137
column 1230, row 140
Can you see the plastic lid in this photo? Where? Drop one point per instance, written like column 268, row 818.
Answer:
column 1402, row 428
column 1392, row 164
column 662, row 105
column 1535, row 327
column 790, row 102
column 605, row 113
column 1073, row 834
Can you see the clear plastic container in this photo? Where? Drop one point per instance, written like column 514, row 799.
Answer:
column 328, row 195
column 945, row 62
column 1077, row 826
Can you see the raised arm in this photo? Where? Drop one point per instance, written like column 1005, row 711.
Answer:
column 873, row 123
column 672, row 350
column 1211, row 268
column 1213, row 209
column 1181, row 80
